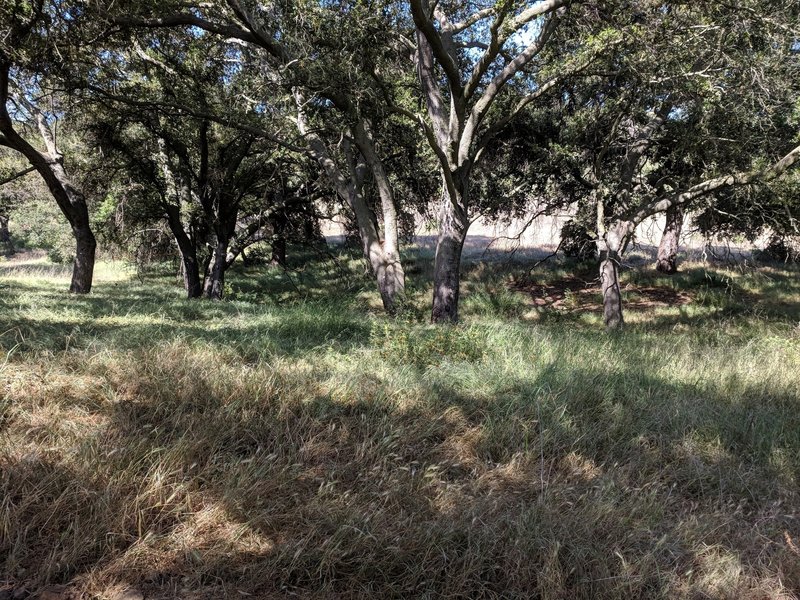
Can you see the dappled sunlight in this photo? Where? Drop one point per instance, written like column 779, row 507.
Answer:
column 206, row 537
column 212, row 448
column 717, row 572
column 33, row 267
column 698, row 292
column 421, row 300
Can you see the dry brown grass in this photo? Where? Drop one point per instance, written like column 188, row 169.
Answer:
column 241, row 450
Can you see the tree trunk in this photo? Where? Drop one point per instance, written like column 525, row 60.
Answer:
column 667, row 260
column 386, row 268
column 6, row 243
column 612, row 245
column 83, row 266
column 447, row 264
column 191, row 275
column 612, row 296
column 383, row 258
column 214, row 287
column 390, row 274
column 391, row 281
column 447, row 277
column 69, row 199
column 278, row 223
column 191, row 266
column 278, row 251
column 382, row 255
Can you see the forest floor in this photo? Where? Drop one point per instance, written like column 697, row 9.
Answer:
column 293, row 441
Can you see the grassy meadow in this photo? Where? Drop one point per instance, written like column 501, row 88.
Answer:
column 293, row 441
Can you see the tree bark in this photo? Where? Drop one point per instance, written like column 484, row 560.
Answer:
column 191, row 275
column 390, row 274
column 224, row 229
column 191, row 265
column 612, row 245
column 6, row 243
column 214, row 286
column 391, row 281
column 278, row 258
column 278, row 223
column 381, row 254
column 85, row 248
column 383, row 258
column 612, row 296
column 447, row 264
column 385, row 269
column 667, row 260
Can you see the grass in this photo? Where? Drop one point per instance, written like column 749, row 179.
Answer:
column 293, row 441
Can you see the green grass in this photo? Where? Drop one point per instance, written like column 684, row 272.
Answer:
column 295, row 442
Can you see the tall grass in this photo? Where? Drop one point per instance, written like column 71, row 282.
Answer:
column 294, row 441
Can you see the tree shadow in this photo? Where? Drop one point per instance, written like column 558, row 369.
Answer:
column 292, row 335
column 198, row 480
column 197, row 465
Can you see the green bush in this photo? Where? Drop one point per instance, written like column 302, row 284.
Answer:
column 40, row 224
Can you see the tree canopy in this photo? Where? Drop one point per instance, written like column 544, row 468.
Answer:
column 228, row 123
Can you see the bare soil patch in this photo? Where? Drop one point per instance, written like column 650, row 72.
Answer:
column 574, row 293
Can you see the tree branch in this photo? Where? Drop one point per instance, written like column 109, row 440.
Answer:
column 425, row 26
column 190, row 20
column 182, row 109
column 16, row 176
column 456, row 28
column 704, row 188
column 493, row 89
column 533, row 12
column 489, row 55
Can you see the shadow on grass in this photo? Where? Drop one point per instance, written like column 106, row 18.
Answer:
column 695, row 296
column 290, row 335
column 126, row 316
column 339, row 277
column 199, row 480
column 194, row 465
